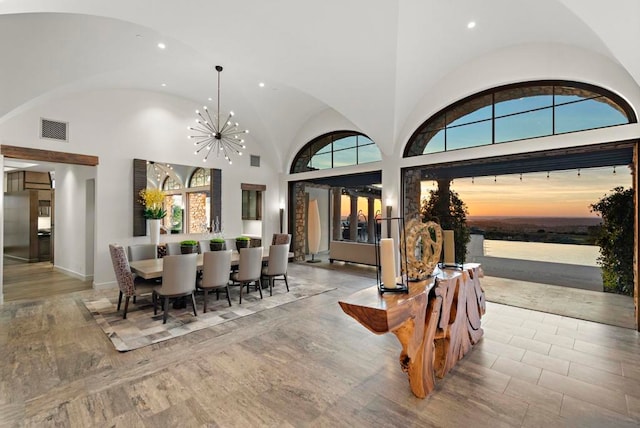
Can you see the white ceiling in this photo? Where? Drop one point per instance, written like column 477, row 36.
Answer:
column 371, row 61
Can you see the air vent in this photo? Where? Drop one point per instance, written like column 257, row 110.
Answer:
column 255, row 160
column 53, row 130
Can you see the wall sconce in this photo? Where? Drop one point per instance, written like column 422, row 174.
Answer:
column 281, row 216
column 389, row 214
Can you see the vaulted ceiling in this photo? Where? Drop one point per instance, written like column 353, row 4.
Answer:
column 371, row 61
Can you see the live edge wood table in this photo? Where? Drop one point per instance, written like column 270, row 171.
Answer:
column 437, row 322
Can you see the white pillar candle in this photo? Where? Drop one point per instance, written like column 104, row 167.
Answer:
column 388, row 262
column 449, row 248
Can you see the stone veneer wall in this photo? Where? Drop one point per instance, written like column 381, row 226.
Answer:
column 411, row 180
column 198, row 213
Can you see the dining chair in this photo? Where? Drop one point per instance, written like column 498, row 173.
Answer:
column 277, row 265
column 129, row 284
column 249, row 269
column 280, row 238
column 142, row 252
column 216, row 267
column 204, row 246
column 178, row 280
column 173, row 249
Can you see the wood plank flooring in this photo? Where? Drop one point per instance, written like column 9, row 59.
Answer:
column 37, row 280
column 308, row 364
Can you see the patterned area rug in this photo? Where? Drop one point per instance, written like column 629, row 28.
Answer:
column 142, row 328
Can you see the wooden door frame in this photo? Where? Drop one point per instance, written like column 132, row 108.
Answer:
column 16, row 152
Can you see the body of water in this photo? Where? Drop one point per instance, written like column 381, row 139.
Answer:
column 584, row 255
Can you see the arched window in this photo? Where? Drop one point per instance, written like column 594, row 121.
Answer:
column 200, row 177
column 517, row 112
column 341, row 148
column 171, row 183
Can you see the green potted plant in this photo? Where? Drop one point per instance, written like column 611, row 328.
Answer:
column 217, row 244
column 242, row 242
column 189, row 246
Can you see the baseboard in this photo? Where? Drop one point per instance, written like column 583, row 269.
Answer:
column 105, row 285
column 73, row 274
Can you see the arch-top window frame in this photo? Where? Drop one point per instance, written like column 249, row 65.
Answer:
column 479, row 110
column 324, row 146
column 200, row 177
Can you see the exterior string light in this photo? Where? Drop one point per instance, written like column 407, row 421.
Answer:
column 221, row 138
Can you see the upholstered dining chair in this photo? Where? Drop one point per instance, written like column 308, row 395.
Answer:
column 204, row 246
column 216, row 268
column 178, row 280
column 249, row 269
column 277, row 265
column 173, row 249
column 142, row 252
column 280, row 238
column 128, row 283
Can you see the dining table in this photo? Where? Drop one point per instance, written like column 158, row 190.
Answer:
column 152, row 268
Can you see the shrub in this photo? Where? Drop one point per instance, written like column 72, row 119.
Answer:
column 615, row 239
column 189, row 242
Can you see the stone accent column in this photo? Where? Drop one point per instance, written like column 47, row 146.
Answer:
column 371, row 220
column 337, row 214
column 300, row 237
column 353, row 219
column 411, row 180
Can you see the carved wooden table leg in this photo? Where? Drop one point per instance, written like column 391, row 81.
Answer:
column 417, row 357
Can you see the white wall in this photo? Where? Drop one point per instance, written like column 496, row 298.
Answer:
column 70, row 220
column 118, row 126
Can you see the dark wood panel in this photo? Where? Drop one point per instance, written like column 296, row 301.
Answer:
column 47, row 155
column 139, row 183
column 216, row 194
column 258, row 187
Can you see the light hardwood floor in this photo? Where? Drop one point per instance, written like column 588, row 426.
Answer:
column 309, row 364
column 36, row 280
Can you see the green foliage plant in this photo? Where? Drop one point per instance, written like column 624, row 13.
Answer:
column 152, row 200
column 450, row 216
column 218, row 240
column 189, row 242
column 615, row 240
column 243, row 238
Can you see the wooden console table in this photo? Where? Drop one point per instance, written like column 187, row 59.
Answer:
column 437, row 322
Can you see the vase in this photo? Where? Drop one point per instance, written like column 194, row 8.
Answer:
column 154, row 230
column 217, row 246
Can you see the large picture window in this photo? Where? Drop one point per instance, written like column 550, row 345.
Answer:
column 517, row 112
column 336, row 149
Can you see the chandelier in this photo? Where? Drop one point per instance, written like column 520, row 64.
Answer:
column 214, row 137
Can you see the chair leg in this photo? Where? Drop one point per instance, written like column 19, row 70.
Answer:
column 166, row 310
column 259, row 284
column 228, row 297
column 134, row 298
column 126, row 307
column 154, row 298
column 204, row 296
column 286, row 282
column 193, row 301
column 241, row 287
column 119, row 299
column 270, row 286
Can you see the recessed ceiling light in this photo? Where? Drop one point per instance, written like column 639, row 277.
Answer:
column 471, row 24
column 261, row 84
column 210, row 99
column 162, row 45
column 163, row 84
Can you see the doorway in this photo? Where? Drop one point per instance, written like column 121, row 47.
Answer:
column 65, row 221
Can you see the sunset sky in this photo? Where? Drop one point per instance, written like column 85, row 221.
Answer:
column 563, row 194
